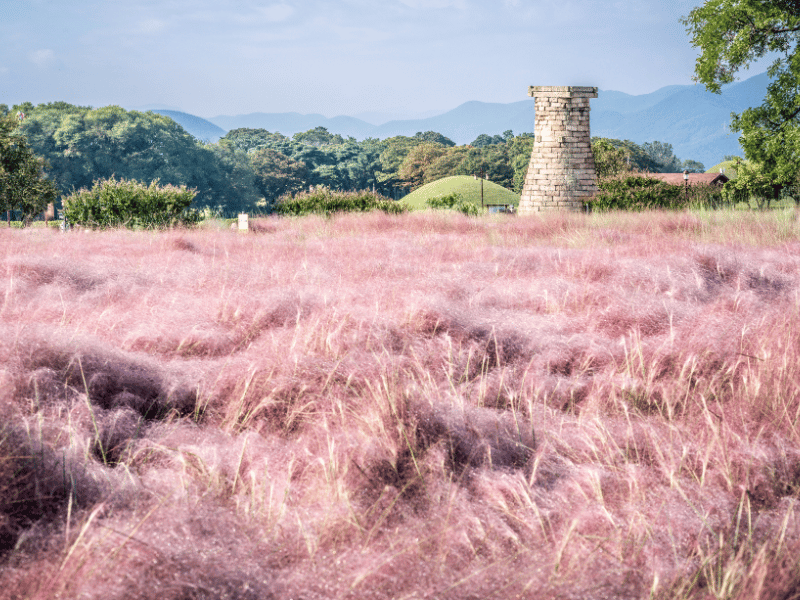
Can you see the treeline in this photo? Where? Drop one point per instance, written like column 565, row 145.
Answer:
column 394, row 166
column 250, row 169
column 613, row 157
column 81, row 145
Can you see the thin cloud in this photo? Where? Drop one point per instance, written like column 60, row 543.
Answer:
column 252, row 16
column 42, row 58
column 423, row 4
column 276, row 13
column 151, row 26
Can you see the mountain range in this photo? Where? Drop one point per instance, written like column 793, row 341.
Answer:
column 690, row 118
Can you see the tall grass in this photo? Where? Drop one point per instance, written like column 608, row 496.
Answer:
column 403, row 406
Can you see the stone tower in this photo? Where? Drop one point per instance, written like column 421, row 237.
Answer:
column 561, row 172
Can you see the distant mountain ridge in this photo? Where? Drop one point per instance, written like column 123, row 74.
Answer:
column 690, row 118
column 203, row 130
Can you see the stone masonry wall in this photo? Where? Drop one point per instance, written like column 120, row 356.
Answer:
column 561, row 171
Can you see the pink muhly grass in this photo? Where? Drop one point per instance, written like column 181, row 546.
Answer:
column 422, row 405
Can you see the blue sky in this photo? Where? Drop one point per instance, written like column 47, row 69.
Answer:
column 396, row 57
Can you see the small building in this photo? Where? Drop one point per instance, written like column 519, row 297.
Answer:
column 715, row 179
column 500, row 208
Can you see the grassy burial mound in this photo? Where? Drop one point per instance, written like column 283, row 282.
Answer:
column 403, row 406
column 466, row 186
column 726, row 166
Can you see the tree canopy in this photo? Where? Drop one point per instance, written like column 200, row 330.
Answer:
column 613, row 157
column 252, row 168
column 731, row 34
column 23, row 185
column 82, row 145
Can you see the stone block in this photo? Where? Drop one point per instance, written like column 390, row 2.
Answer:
column 561, row 168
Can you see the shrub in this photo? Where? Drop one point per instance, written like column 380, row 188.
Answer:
column 129, row 203
column 453, row 201
column 323, row 200
column 638, row 193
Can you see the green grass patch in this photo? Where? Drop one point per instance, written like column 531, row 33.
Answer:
column 728, row 167
column 468, row 189
column 52, row 223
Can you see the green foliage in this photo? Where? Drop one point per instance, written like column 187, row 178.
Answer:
column 731, row 34
column 316, row 157
column 250, row 140
column 235, row 181
column 434, row 137
column 609, row 160
column 276, row 174
column 636, row 193
column 453, row 201
column 693, row 166
column 319, row 136
column 393, row 152
column 484, row 140
column 325, row 201
column 430, row 162
column 615, row 157
column 663, row 157
column 519, row 157
column 23, row 185
column 82, row 145
column 751, row 183
column 634, row 155
column 129, row 203
column 419, row 161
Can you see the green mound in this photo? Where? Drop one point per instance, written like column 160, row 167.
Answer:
column 466, row 186
column 729, row 167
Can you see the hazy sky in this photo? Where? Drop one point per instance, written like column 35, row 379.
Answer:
column 402, row 57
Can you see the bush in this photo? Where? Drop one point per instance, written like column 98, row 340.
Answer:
column 637, row 193
column 453, row 201
column 325, row 201
column 129, row 203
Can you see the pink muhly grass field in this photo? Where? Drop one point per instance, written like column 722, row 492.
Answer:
column 416, row 406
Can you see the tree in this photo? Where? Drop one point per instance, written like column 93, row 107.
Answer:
column 519, row 158
column 731, row 34
column 23, row 185
column 662, row 156
column 609, row 160
column 277, row 174
column 434, row 137
column 418, row 161
column 319, row 136
column 82, row 145
column 128, row 203
column 752, row 183
column 234, row 179
column 693, row 166
column 451, row 162
column 637, row 157
column 250, row 140
column 484, row 140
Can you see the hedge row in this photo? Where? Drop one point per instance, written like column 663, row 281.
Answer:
column 637, row 193
column 129, row 203
column 327, row 202
column 454, row 201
